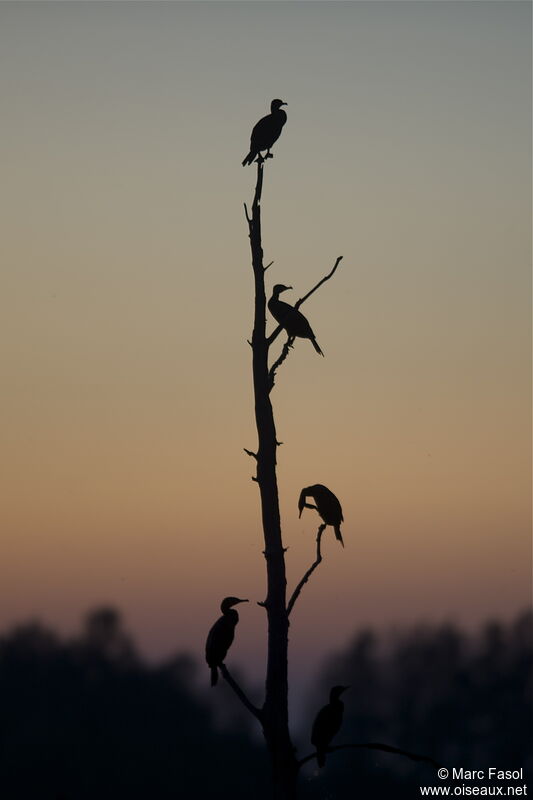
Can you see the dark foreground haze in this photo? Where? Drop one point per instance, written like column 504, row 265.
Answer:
column 87, row 718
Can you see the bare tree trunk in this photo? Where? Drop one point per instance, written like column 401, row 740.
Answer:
column 275, row 718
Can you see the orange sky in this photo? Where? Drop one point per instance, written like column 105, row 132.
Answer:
column 127, row 300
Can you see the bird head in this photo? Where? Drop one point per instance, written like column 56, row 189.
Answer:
column 228, row 602
column 275, row 105
column 279, row 288
column 336, row 692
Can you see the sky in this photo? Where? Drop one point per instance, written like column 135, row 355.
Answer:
column 127, row 300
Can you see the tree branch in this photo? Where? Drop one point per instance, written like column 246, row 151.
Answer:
column 310, row 571
column 284, row 353
column 330, row 275
column 240, row 693
column 386, row 748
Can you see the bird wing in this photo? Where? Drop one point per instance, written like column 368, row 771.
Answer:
column 280, row 311
column 218, row 641
column 326, row 724
column 266, row 131
column 291, row 319
column 336, row 508
column 328, row 505
column 317, row 737
column 299, row 325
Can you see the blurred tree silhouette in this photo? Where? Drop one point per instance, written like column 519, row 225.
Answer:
column 105, row 638
column 88, row 719
column 466, row 699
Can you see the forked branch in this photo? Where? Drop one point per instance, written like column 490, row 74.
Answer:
column 314, row 565
column 386, row 748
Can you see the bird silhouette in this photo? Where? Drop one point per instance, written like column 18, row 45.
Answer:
column 327, row 723
column 327, row 505
column 221, row 636
column 290, row 318
column 266, row 131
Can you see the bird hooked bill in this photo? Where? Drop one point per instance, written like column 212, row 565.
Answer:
column 327, row 505
column 266, row 132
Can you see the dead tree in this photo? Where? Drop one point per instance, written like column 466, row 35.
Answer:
column 273, row 714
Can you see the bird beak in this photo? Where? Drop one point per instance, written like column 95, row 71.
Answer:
column 284, row 104
column 344, row 688
column 241, row 601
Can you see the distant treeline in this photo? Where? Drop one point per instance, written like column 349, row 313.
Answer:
column 88, row 719
column 464, row 700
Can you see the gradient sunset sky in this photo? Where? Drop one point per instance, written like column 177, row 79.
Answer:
column 127, row 301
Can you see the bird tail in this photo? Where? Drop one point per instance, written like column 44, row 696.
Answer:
column 214, row 676
column 338, row 534
column 249, row 158
column 315, row 345
column 320, row 758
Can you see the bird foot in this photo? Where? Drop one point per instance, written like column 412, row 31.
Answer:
column 269, row 155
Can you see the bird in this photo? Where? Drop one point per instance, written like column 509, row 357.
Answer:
column 327, row 723
column 221, row 636
column 290, row 318
column 266, row 131
column 327, row 505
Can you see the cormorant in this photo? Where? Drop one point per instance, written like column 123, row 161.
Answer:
column 266, row 131
column 221, row 636
column 327, row 506
column 290, row 318
column 327, row 723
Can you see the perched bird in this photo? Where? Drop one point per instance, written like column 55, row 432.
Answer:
column 327, row 506
column 266, row 131
column 327, row 723
column 290, row 318
column 221, row 636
